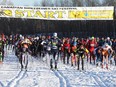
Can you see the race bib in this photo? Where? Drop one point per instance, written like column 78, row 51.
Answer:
column 48, row 48
column 59, row 48
column 92, row 45
column 66, row 48
column 24, row 49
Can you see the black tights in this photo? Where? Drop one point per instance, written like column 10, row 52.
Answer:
column 78, row 62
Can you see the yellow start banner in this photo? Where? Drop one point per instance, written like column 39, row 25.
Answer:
column 58, row 13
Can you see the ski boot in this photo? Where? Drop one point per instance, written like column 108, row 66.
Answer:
column 55, row 67
column 106, row 66
column 51, row 66
column 97, row 65
column 56, row 64
column 102, row 66
column 115, row 62
column 25, row 68
column 110, row 61
column 21, row 68
column 51, row 62
column 71, row 64
column 82, row 68
column 78, row 68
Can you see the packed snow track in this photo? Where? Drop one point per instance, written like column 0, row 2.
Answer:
column 39, row 74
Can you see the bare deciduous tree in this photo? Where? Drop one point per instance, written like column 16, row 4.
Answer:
column 3, row 2
column 9, row 2
column 67, row 3
column 36, row 3
column 109, row 3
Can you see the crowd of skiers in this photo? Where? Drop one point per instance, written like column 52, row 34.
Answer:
column 69, row 50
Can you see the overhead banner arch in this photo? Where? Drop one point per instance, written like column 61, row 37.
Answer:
column 58, row 13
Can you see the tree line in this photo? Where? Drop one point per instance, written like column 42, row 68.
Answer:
column 67, row 3
column 81, row 28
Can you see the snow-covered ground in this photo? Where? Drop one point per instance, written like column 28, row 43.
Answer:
column 39, row 74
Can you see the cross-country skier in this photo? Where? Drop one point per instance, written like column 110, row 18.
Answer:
column 66, row 51
column 105, row 54
column 81, row 55
column 91, row 47
column 1, row 49
column 54, row 50
column 74, row 54
column 25, row 43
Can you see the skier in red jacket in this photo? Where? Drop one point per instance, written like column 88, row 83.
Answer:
column 66, row 51
column 91, row 47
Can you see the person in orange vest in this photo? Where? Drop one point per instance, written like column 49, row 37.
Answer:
column 105, row 54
